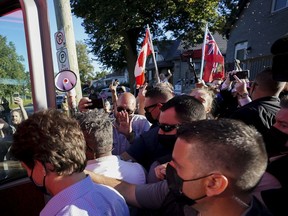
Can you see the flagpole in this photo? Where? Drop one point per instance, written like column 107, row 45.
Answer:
column 203, row 51
column 153, row 55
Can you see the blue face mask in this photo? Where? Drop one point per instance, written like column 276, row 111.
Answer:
column 41, row 188
column 175, row 184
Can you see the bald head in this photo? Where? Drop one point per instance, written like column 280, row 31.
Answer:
column 127, row 101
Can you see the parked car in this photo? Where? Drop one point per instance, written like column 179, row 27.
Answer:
column 59, row 100
column 106, row 93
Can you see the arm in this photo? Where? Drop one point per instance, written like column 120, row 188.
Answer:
column 19, row 102
column 169, row 74
column 241, row 88
column 141, row 99
column 113, row 89
column 126, row 157
column 125, row 189
column 84, row 103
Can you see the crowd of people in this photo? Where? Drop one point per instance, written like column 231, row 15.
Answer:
column 9, row 121
column 220, row 150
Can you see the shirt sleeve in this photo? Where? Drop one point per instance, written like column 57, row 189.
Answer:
column 151, row 195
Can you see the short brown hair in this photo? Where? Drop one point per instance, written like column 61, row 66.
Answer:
column 50, row 136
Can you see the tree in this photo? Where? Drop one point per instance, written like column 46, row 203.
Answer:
column 11, row 68
column 115, row 26
column 86, row 69
column 100, row 75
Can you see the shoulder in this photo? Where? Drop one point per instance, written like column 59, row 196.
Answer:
column 151, row 195
column 132, row 172
column 257, row 208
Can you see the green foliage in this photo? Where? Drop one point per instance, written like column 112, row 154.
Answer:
column 100, row 75
column 11, row 67
column 114, row 27
column 84, row 63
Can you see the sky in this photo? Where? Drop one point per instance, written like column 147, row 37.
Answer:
column 11, row 26
column 80, row 36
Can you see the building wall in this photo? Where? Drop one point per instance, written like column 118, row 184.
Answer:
column 260, row 28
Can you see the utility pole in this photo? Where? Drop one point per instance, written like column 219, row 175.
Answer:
column 64, row 21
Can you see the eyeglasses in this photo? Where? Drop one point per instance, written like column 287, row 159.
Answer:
column 148, row 107
column 168, row 128
column 120, row 109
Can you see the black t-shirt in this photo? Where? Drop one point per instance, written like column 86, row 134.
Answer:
column 146, row 149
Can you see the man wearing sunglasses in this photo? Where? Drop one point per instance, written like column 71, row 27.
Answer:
column 159, row 142
column 128, row 125
column 151, row 99
column 215, row 166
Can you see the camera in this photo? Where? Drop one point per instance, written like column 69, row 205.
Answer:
column 97, row 103
column 240, row 74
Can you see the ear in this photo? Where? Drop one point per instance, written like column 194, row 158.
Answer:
column 41, row 167
column 209, row 109
column 159, row 105
column 216, row 184
column 27, row 168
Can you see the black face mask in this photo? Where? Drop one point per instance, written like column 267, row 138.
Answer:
column 275, row 141
column 150, row 118
column 175, row 185
column 41, row 188
column 168, row 141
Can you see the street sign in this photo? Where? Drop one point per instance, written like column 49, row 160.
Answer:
column 60, row 39
column 62, row 59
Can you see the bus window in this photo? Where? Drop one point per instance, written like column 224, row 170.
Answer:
column 18, row 195
column 15, row 89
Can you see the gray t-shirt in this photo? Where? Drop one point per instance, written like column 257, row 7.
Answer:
column 151, row 196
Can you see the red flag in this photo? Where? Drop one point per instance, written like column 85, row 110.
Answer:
column 146, row 50
column 214, row 60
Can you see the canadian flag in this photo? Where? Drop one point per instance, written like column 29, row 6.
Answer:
column 146, row 50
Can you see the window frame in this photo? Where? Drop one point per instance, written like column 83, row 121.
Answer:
column 274, row 5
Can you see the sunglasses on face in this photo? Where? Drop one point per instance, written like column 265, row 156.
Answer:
column 120, row 109
column 168, row 128
column 151, row 106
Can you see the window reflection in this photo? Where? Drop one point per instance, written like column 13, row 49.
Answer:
column 15, row 89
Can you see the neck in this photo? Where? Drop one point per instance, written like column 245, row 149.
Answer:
column 218, row 207
column 56, row 183
column 104, row 155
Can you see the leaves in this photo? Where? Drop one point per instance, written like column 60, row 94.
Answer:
column 84, row 63
column 11, row 67
column 117, row 28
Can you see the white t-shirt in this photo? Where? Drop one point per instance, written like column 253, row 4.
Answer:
column 112, row 166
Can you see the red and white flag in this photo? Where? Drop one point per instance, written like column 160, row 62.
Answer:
column 146, row 50
column 214, row 60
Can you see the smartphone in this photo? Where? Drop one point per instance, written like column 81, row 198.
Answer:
column 97, row 103
column 240, row 74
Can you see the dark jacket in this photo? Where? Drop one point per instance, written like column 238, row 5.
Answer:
column 259, row 113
